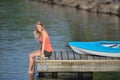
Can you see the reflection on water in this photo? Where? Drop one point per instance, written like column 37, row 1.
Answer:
column 62, row 23
column 86, row 26
column 31, row 76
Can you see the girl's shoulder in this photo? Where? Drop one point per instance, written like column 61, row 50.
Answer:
column 45, row 34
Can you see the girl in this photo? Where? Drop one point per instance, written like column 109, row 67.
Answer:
column 45, row 49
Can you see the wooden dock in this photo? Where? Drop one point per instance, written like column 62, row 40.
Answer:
column 69, row 61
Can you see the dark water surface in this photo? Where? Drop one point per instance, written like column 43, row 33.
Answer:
column 17, row 18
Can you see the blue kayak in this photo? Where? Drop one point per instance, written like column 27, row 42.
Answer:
column 103, row 48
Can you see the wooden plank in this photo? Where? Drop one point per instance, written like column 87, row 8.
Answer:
column 61, row 53
column 109, row 58
column 84, row 57
column 102, row 58
column 65, row 55
column 90, row 57
column 77, row 56
column 53, row 56
column 96, row 57
column 77, row 65
column 71, row 57
column 68, row 55
column 116, row 58
column 58, row 55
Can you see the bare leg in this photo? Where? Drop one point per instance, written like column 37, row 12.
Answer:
column 31, row 60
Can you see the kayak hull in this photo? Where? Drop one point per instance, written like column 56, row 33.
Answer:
column 101, row 48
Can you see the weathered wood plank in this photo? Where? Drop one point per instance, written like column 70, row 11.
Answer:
column 77, row 56
column 96, row 57
column 68, row 55
column 71, row 57
column 65, row 55
column 58, row 55
column 90, row 57
column 84, row 57
column 53, row 56
column 77, row 65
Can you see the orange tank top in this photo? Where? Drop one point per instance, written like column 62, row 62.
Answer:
column 48, row 46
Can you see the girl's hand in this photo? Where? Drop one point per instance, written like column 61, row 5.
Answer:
column 42, row 55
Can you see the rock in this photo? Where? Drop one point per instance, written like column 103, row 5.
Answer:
column 102, row 6
column 112, row 8
column 88, row 4
column 71, row 3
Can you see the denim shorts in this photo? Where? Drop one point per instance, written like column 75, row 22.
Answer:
column 47, row 54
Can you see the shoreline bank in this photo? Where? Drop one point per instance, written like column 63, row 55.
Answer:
column 98, row 6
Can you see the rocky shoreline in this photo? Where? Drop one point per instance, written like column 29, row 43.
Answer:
column 99, row 6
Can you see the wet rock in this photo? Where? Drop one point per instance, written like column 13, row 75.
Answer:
column 102, row 6
column 112, row 8
column 87, row 5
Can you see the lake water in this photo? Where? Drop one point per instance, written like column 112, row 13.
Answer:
column 64, row 24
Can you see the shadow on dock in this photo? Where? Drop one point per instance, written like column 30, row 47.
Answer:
column 61, row 76
column 65, row 76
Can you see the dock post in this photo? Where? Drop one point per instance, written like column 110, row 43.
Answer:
column 82, row 75
column 54, row 74
column 79, row 74
column 41, row 74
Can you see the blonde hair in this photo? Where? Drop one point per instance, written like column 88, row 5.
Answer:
column 36, row 32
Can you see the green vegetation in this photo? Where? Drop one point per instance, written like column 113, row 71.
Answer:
column 106, row 76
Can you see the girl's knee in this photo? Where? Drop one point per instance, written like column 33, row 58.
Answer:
column 31, row 55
